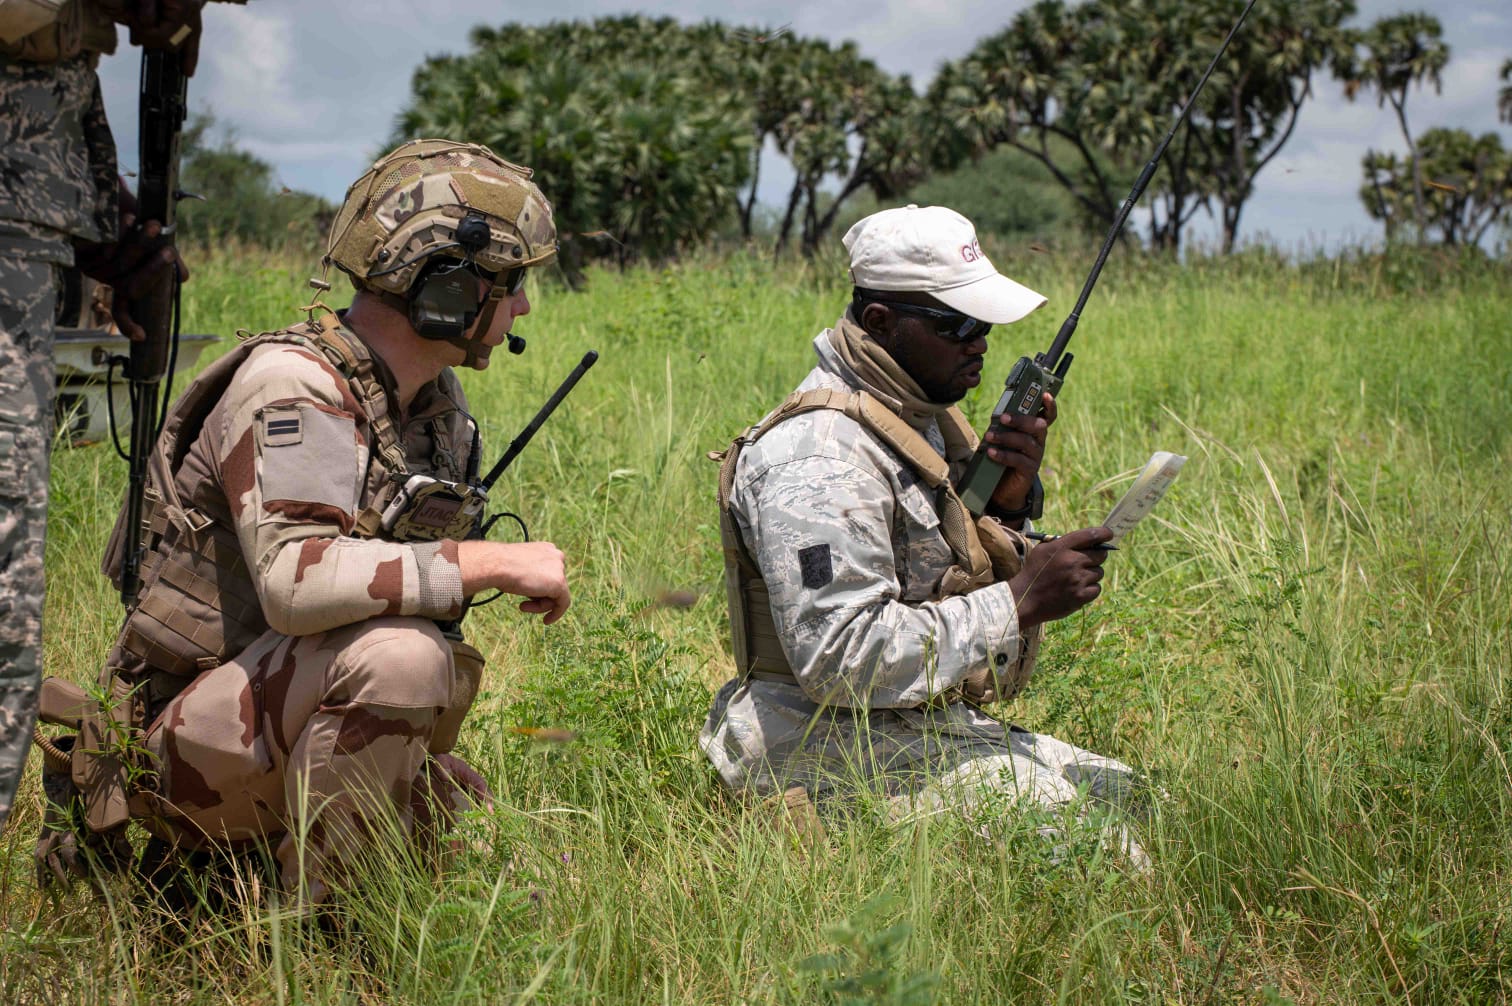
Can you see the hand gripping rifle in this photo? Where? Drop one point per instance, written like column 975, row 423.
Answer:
column 163, row 107
column 1030, row 379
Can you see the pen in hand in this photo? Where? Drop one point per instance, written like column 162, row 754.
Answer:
column 1041, row 536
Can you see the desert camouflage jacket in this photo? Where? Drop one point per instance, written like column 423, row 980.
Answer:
column 285, row 458
column 848, row 542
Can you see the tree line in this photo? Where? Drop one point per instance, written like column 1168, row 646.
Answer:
column 649, row 133
column 237, row 197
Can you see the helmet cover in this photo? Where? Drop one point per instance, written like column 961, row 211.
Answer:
column 406, row 209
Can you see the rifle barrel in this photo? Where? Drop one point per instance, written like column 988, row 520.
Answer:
column 163, row 106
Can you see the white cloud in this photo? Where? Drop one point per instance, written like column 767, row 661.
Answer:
column 255, row 89
column 910, row 36
column 314, row 88
column 1470, row 85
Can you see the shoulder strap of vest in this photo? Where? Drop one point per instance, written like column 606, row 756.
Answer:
column 905, row 441
column 960, row 437
column 956, row 524
column 795, row 404
column 357, row 367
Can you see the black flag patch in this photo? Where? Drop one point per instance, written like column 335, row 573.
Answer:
column 818, row 571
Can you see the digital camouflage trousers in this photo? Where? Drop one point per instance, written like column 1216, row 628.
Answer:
column 28, row 292
column 764, row 737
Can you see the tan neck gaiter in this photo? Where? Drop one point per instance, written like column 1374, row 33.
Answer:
column 875, row 366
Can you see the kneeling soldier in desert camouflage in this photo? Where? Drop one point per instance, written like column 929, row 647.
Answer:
column 872, row 616
column 284, row 671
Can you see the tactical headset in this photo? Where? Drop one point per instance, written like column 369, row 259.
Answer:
column 444, row 301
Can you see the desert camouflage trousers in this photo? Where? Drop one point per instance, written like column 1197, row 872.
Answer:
column 28, row 292
column 313, row 742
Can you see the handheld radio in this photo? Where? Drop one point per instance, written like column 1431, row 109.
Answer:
column 1030, row 379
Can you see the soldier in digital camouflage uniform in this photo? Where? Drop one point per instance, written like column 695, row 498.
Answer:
column 873, row 618
column 58, row 196
column 285, row 655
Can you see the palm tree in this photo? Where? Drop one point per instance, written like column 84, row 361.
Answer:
column 1390, row 57
column 1027, row 87
column 639, row 139
column 1252, row 103
column 1504, row 99
column 1088, row 90
column 1469, row 187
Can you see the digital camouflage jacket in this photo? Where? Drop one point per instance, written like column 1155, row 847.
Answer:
column 57, row 157
column 848, row 542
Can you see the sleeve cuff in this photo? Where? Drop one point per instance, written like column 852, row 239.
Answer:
column 1000, row 620
column 440, row 578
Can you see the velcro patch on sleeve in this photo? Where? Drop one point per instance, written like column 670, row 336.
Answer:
column 816, row 566
column 308, row 459
column 282, row 427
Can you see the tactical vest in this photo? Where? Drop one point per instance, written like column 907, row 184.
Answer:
column 984, row 551
column 198, row 606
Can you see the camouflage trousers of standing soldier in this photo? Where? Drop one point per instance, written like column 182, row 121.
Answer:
column 28, row 291
column 312, row 742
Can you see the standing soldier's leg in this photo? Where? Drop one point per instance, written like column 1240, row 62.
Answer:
column 327, row 731
column 28, row 293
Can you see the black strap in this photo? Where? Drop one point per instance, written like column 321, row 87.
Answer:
column 1034, row 505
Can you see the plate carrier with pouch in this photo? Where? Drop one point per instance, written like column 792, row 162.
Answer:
column 985, row 552
column 198, row 606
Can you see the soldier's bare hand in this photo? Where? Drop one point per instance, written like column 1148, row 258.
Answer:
column 1060, row 576
column 534, row 570
column 132, row 266
column 1018, row 444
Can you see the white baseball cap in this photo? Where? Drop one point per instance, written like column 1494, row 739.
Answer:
column 934, row 250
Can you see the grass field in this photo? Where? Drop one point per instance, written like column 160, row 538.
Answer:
column 1307, row 647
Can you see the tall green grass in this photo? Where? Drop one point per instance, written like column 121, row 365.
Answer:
column 1307, row 648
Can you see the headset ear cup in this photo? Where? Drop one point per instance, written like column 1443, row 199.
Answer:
column 445, row 302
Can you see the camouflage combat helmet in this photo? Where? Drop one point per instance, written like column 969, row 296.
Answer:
column 407, row 208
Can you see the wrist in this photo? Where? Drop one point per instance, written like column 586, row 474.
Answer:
column 1023, row 604
column 482, row 565
column 1032, row 507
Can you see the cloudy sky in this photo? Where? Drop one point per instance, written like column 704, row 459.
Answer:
column 314, row 88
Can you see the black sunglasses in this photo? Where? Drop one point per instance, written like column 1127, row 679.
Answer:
column 952, row 325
